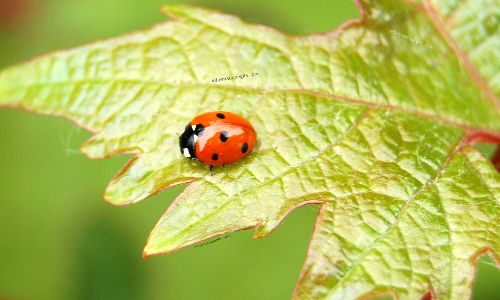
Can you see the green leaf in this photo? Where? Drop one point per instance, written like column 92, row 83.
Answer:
column 375, row 121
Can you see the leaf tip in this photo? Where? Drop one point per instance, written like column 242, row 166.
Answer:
column 154, row 247
column 112, row 196
column 149, row 250
column 146, row 253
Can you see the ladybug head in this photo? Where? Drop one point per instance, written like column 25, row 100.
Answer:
column 186, row 142
column 188, row 139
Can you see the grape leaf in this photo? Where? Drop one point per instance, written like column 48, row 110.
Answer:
column 375, row 121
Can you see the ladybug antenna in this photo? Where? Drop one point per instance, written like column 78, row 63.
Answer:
column 211, row 170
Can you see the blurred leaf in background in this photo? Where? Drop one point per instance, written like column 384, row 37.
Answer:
column 59, row 240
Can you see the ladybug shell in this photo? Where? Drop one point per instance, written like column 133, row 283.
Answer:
column 218, row 138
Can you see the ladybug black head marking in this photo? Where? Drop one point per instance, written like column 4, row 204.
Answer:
column 186, row 142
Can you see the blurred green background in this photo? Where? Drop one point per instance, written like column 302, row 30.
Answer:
column 60, row 240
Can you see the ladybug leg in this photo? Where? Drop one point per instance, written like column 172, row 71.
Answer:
column 211, row 170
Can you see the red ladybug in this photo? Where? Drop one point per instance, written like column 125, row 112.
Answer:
column 217, row 138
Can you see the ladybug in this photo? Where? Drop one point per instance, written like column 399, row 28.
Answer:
column 217, row 138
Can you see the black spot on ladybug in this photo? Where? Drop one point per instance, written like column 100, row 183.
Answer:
column 244, row 148
column 215, row 156
column 224, row 136
column 199, row 129
column 220, row 116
